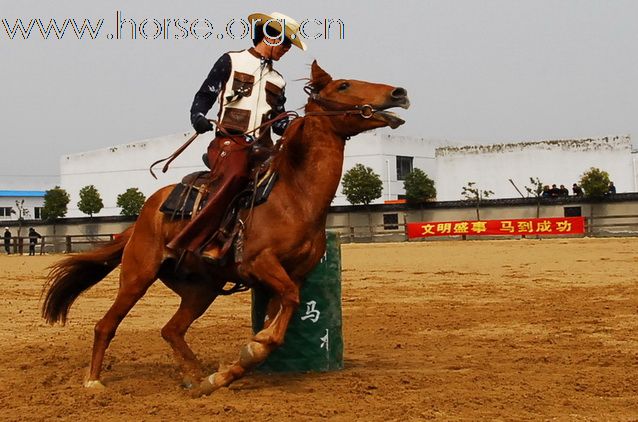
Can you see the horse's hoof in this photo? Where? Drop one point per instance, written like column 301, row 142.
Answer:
column 189, row 382
column 94, row 384
column 206, row 387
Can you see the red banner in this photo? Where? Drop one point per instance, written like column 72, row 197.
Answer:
column 529, row 226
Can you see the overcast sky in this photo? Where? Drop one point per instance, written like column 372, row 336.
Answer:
column 476, row 71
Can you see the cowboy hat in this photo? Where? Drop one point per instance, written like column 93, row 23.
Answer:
column 275, row 20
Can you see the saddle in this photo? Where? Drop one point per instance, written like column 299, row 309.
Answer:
column 190, row 195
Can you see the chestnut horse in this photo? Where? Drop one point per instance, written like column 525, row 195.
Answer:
column 284, row 238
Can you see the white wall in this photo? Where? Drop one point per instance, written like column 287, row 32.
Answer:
column 379, row 151
column 113, row 170
column 553, row 162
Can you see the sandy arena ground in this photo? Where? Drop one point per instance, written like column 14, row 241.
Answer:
column 498, row 330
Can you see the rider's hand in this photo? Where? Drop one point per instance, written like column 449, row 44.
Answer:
column 202, row 124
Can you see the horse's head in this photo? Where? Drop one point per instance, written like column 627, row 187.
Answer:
column 354, row 106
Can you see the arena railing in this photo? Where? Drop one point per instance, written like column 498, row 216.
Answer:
column 602, row 226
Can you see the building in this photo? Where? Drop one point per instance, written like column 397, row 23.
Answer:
column 392, row 158
column 502, row 168
column 21, row 203
column 113, row 170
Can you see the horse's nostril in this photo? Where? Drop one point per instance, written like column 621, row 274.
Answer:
column 399, row 93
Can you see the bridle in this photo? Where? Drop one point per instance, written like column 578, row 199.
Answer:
column 336, row 108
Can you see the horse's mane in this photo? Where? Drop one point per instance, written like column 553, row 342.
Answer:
column 291, row 152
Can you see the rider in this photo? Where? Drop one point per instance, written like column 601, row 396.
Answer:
column 250, row 92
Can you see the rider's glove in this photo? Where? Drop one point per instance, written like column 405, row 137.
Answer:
column 201, row 124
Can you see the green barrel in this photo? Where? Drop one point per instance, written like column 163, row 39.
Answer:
column 314, row 340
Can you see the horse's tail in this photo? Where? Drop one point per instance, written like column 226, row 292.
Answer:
column 73, row 275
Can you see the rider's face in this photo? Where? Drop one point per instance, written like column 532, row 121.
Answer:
column 278, row 47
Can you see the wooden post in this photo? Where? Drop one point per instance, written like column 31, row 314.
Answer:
column 405, row 227
column 68, row 244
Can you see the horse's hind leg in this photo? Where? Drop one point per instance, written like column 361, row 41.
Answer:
column 196, row 298
column 135, row 279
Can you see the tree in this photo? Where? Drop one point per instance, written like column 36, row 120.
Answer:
column 56, row 201
column 537, row 191
column 473, row 193
column 361, row 185
column 90, row 201
column 419, row 187
column 22, row 213
column 595, row 182
column 131, row 202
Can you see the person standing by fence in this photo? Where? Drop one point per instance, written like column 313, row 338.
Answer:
column 33, row 240
column 7, row 240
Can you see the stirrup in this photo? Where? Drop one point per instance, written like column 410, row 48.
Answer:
column 213, row 254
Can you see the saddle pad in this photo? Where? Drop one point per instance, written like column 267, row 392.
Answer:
column 185, row 196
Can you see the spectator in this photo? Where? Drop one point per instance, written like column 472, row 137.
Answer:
column 546, row 193
column 612, row 189
column 33, row 240
column 554, row 192
column 578, row 191
column 563, row 191
column 7, row 240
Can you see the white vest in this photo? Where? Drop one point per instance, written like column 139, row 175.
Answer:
column 252, row 91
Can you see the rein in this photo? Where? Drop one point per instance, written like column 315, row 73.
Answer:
column 223, row 131
column 335, row 108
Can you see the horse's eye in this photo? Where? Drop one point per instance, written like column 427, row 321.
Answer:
column 344, row 86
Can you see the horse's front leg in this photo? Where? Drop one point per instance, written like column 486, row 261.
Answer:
column 283, row 304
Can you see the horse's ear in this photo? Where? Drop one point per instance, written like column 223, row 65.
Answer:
column 319, row 77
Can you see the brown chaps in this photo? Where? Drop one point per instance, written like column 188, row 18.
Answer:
column 228, row 161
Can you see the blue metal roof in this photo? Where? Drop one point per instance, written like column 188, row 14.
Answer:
column 22, row 193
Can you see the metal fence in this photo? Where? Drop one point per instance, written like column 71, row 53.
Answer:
column 603, row 226
column 58, row 244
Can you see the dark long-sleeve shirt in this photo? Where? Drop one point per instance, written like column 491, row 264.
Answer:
column 208, row 92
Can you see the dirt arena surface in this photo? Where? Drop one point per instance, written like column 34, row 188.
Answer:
column 476, row 330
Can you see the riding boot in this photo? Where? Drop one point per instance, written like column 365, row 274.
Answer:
column 229, row 167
